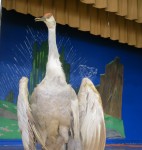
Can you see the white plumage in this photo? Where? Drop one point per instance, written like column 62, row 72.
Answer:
column 56, row 117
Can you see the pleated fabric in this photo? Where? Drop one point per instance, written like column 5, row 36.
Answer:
column 115, row 19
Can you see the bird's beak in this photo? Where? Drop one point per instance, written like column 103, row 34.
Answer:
column 40, row 19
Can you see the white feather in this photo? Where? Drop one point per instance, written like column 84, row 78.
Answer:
column 26, row 122
column 92, row 124
column 22, row 112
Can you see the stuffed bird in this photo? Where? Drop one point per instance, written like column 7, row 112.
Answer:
column 55, row 116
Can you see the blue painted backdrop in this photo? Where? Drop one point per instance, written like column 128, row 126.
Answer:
column 19, row 31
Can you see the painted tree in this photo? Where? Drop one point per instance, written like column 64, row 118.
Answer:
column 10, row 97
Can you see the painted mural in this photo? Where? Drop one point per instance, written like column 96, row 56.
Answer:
column 26, row 55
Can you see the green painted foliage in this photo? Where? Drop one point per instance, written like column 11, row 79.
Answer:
column 10, row 96
column 65, row 65
column 40, row 54
column 115, row 124
column 9, row 129
column 8, row 106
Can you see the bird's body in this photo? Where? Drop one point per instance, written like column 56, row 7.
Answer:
column 49, row 117
column 47, row 100
column 56, row 116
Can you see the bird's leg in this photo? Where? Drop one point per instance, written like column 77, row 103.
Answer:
column 63, row 130
column 59, row 143
column 64, row 147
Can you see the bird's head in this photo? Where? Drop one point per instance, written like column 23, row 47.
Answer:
column 48, row 19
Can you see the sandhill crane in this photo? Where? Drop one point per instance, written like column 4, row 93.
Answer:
column 56, row 117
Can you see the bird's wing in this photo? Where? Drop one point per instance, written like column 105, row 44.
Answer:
column 92, row 125
column 26, row 122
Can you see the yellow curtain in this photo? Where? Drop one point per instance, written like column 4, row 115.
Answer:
column 117, row 19
column 130, row 9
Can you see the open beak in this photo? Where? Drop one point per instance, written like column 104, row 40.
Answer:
column 40, row 19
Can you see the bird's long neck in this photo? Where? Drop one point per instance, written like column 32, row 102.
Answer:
column 53, row 50
column 54, row 68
